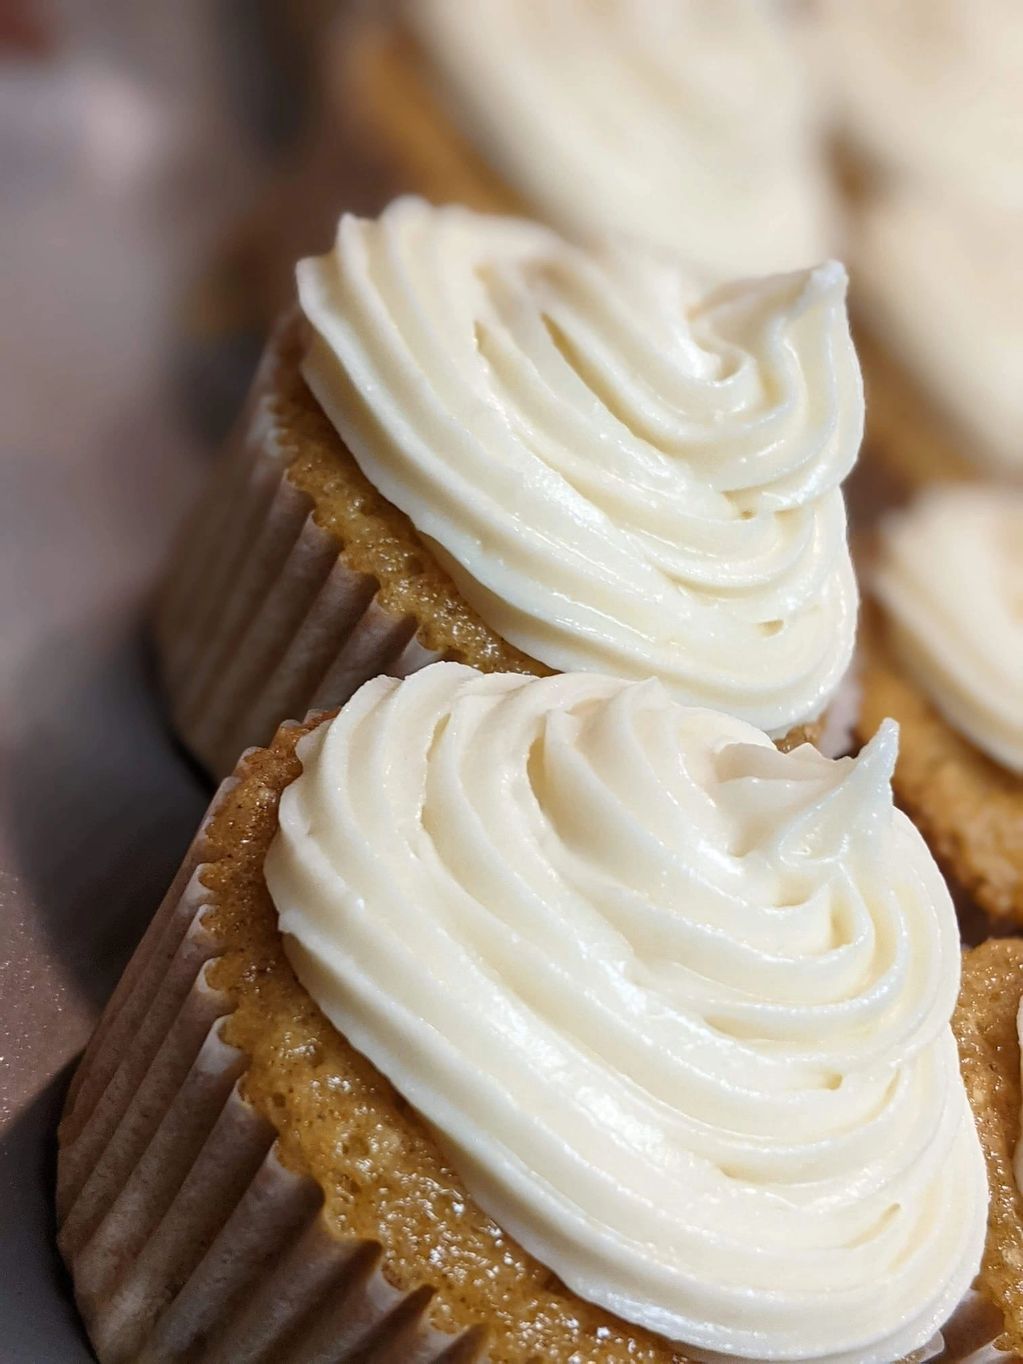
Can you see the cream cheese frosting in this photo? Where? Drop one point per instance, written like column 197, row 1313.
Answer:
column 621, row 473
column 675, row 1003
column 684, row 122
column 950, row 578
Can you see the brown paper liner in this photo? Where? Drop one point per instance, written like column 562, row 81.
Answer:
column 185, row 1235
column 261, row 619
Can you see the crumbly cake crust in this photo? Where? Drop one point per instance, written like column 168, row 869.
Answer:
column 968, row 808
column 985, row 1028
column 341, row 1122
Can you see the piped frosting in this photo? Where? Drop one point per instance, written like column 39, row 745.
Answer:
column 622, row 473
column 676, row 1003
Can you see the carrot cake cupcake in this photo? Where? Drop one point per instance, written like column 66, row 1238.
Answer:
column 929, row 103
column 542, row 1017
column 683, row 122
column 944, row 656
column 479, row 442
column 989, row 1027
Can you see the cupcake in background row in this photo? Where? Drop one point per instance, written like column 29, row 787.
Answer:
column 681, row 122
column 943, row 654
column 684, row 122
column 480, row 442
column 548, row 1018
column 928, row 103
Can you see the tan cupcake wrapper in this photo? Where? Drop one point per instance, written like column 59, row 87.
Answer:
column 261, row 619
column 186, row 1236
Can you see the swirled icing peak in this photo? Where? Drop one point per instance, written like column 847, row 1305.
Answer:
column 621, row 474
column 676, row 1003
column 683, row 122
column 951, row 580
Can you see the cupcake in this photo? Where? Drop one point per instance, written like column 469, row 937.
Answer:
column 682, row 122
column 929, row 107
column 944, row 656
column 989, row 1027
column 545, row 1017
column 479, row 442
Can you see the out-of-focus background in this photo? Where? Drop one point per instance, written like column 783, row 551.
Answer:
column 162, row 164
column 134, row 136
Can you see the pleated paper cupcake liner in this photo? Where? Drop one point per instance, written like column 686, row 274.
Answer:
column 185, row 1235
column 261, row 619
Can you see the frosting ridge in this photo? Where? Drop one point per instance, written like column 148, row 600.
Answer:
column 621, row 473
column 677, row 1004
column 950, row 579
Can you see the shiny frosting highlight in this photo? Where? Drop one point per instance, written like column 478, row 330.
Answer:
column 684, row 122
column 951, row 580
column 675, row 1003
column 621, row 473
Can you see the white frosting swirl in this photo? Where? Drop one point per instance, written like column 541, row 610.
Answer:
column 621, row 476
column 683, row 122
column 676, row 1003
column 951, row 581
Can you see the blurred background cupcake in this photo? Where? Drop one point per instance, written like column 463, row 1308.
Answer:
column 686, row 123
column 943, row 655
column 927, row 107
